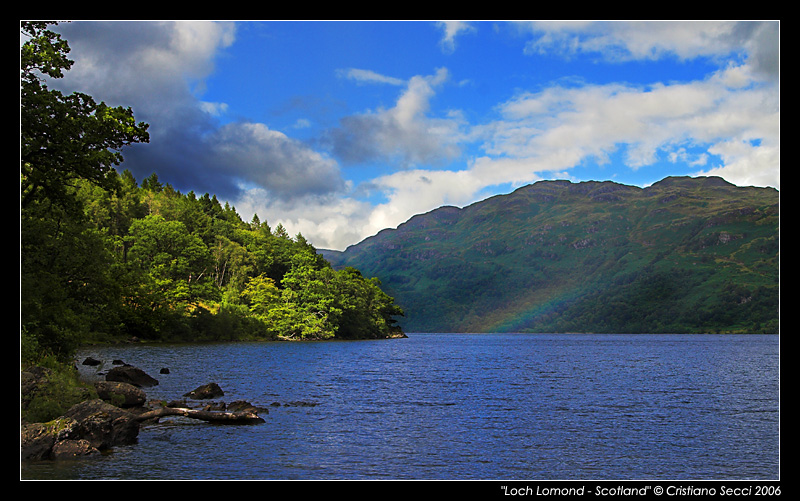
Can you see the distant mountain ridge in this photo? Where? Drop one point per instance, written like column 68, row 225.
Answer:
column 683, row 255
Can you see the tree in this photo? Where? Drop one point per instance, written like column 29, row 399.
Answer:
column 65, row 267
column 175, row 265
column 66, row 289
column 103, row 258
column 367, row 312
column 262, row 295
column 231, row 262
column 307, row 286
column 65, row 137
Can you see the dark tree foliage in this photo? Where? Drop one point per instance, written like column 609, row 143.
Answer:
column 65, row 137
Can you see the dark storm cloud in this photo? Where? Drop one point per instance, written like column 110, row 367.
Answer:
column 152, row 67
column 354, row 141
column 270, row 159
column 762, row 42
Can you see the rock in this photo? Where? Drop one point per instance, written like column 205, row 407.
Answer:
column 91, row 361
column 210, row 390
column 114, row 419
column 55, row 439
column 66, row 449
column 299, row 403
column 36, row 441
column 131, row 375
column 215, row 406
column 102, row 424
column 120, row 394
column 245, row 406
column 164, row 370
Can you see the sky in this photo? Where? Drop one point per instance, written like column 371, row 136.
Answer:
column 339, row 129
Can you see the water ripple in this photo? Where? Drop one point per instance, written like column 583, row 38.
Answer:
column 464, row 406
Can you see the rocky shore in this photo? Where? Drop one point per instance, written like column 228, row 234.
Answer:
column 114, row 417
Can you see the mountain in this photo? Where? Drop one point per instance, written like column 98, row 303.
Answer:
column 685, row 255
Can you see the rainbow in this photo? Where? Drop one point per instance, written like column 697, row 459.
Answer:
column 516, row 317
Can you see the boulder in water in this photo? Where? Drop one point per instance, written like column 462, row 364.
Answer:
column 86, row 428
column 120, row 394
column 210, row 390
column 131, row 375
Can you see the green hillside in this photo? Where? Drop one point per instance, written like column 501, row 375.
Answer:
column 683, row 255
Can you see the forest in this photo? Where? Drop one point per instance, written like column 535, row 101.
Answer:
column 108, row 258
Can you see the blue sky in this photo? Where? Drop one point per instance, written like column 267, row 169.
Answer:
column 339, row 129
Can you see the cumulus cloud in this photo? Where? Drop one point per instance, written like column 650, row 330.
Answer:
column 636, row 40
column 158, row 69
column 146, row 63
column 726, row 124
column 405, row 135
column 329, row 222
column 257, row 155
column 565, row 125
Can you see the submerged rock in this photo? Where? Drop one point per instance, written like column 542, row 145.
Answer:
column 210, row 390
column 245, row 406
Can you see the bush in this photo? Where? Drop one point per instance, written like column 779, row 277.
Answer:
column 56, row 391
column 230, row 323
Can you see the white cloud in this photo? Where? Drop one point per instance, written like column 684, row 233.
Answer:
column 556, row 129
column 746, row 164
column 146, row 63
column 414, row 191
column 574, row 123
column 405, row 134
column 328, row 222
column 213, row 109
column 649, row 40
column 727, row 124
column 369, row 76
column 451, row 30
column 730, row 116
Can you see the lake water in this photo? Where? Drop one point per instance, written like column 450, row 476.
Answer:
column 461, row 406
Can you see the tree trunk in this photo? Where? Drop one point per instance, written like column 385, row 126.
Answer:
column 243, row 417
